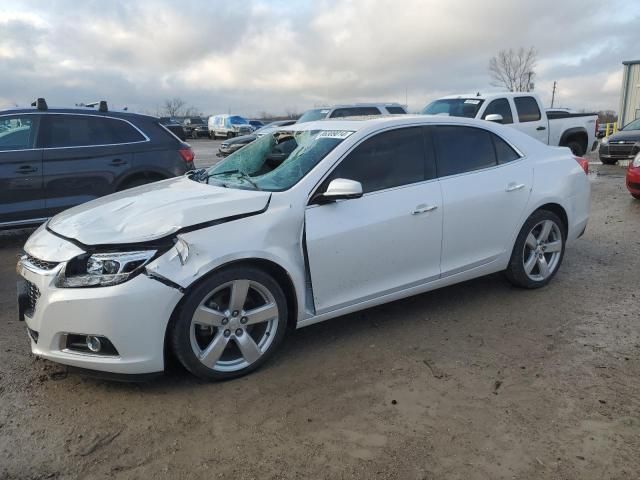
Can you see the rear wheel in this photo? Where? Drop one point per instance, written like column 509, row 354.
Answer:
column 576, row 148
column 538, row 251
column 230, row 324
column 636, row 196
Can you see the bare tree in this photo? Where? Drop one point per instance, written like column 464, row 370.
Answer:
column 513, row 69
column 172, row 107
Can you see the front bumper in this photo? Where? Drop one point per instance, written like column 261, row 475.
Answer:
column 133, row 316
column 618, row 152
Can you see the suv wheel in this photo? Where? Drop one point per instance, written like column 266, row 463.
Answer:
column 230, row 324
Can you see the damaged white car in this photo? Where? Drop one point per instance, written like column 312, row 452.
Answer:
column 309, row 223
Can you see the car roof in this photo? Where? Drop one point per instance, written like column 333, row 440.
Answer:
column 486, row 96
column 77, row 111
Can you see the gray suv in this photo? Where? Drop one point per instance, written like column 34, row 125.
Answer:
column 53, row 159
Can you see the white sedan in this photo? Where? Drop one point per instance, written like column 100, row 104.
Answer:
column 309, row 223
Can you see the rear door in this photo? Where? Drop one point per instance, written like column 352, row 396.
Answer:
column 530, row 118
column 21, row 193
column 485, row 189
column 84, row 157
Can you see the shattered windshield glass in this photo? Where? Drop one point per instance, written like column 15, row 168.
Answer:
column 275, row 162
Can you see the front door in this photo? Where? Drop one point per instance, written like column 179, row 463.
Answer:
column 21, row 192
column 386, row 241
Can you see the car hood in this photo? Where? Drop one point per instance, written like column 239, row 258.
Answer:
column 242, row 139
column 153, row 211
column 630, row 135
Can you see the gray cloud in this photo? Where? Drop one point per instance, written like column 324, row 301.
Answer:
column 276, row 55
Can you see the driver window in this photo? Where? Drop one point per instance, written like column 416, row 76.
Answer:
column 389, row 159
column 499, row 106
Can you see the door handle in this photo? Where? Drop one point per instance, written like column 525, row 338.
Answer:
column 423, row 209
column 118, row 162
column 512, row 187
column 541, row 128
column 26, row 169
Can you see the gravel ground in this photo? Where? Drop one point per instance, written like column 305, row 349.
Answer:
column 475, row 381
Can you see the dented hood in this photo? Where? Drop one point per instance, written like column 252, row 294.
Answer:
column 153, row 211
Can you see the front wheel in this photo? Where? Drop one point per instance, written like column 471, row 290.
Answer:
column 230, row 324
column 538, row 251
column 636, row 196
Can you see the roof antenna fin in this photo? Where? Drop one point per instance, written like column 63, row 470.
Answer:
column 40, row 104
column 103, row 106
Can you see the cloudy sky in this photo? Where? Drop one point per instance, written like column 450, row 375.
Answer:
column 277, row 56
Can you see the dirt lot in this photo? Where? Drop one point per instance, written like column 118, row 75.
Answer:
column 475, row 381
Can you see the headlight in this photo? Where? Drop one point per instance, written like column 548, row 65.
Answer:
column 103, row 269
column 636, row 161
column 605, row 140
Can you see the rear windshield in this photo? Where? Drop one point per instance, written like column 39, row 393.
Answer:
column 454, row 107
column 313, row 115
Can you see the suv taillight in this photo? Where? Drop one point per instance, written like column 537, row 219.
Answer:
column 584, row 163
column 187, row 154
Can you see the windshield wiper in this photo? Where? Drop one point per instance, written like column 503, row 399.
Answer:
column 240, row 174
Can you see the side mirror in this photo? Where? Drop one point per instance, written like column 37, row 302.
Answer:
column 341, row 189
column 494, row 117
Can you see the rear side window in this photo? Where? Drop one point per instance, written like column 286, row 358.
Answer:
column 527, row 108
column 354, row 112
column 499, row 106
column 463, row 149
column 86, row 130
column 17, row 132
column 389, row 159
column 395, row 110
column 504, row 152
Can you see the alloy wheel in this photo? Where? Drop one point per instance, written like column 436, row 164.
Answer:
column 542, row 250
column 234, row 325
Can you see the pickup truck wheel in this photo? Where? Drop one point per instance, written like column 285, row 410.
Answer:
column 608, row 161
column 576, row 148
column 230, row 324
column 229, row 135
column 538, row 251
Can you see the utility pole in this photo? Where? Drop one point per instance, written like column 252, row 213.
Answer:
column 553, row 94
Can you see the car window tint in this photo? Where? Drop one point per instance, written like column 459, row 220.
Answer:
column 354, row 112
column 17, row 132
column 504, row 152
column 499, row 106
column 389, row 159
column 86, row 130
column 527, row 108
column 396, row 110
column 463, row 149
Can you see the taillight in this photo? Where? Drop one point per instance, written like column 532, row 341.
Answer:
column 187, row 154
column 584, row 163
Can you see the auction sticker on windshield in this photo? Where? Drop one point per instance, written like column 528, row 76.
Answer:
column 339, row 134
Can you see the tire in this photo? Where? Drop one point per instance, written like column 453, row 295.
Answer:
column 526, row 267
column 608, row 161
column 230, row 135
column 636, row 196
column 214, row 341
column 212, row 135
column 576, row 148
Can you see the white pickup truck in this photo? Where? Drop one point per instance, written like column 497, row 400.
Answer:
column 525, row 112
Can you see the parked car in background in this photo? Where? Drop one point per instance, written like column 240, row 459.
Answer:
column 53, row 159
column 233, row 144
column 196, row 127
column 622, row 145
column 218, row 265
column 355, row 110
column 524, row 112
column 633, row 177
column 256, row 124
column 174, row 127
column 228, row 126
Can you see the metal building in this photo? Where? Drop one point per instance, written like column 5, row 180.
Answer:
column 630, row 93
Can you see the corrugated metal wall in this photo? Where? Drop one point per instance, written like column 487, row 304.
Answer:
column 630, row 94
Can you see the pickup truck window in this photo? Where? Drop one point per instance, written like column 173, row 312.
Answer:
column 499, row 106
column 463, row 149
column 454, row 107
column 527, row 108
column 395, row 110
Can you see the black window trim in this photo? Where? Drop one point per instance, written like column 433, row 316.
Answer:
column 330, row 170
column 43, row 114
column 519, row 152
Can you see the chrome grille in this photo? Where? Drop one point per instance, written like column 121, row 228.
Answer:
column 41, row 264
column 33, row 294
